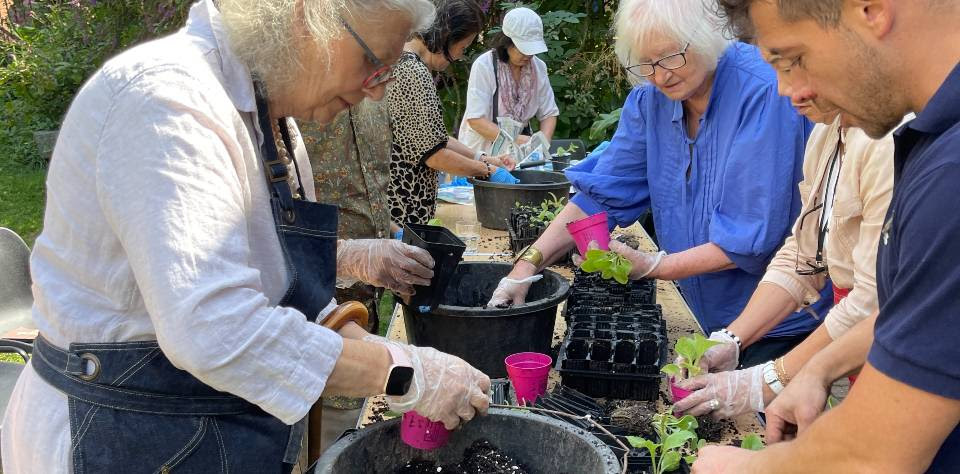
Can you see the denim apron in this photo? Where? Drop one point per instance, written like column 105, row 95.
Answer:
column 132, row 411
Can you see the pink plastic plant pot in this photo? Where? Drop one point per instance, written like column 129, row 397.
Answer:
column 528, row 373
column 590, row 228
column 421, row 433
column 677, row 392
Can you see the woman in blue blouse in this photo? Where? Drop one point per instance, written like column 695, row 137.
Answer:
column 707, row 145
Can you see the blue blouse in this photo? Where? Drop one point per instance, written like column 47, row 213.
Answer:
column 734, row 184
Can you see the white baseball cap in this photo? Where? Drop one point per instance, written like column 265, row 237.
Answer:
column 524, row 27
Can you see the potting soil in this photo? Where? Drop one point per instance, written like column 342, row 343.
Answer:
column 480, row 458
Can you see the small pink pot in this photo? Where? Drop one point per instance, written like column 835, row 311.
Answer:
column 528, row 372
column 421, row 433
column 677, row 392
column 590, row 228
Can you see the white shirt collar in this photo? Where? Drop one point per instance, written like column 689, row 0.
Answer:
column 205, row 21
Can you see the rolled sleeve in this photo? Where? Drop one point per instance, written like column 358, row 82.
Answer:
column 755, row 210
column 804, row 289
column 205, row 301
column 615, row 180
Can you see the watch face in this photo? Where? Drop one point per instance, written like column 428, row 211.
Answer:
column 399, row 381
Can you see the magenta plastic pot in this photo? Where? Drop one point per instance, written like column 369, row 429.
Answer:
column 528, row 372
column 421, row 433
column 677, row 392
column 590, row 228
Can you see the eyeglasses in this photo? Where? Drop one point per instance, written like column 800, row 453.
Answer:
column 674, row 61
column 383, row 74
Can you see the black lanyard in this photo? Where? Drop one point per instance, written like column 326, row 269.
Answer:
column 823, row 226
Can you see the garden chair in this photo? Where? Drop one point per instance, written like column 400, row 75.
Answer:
column 16, row 298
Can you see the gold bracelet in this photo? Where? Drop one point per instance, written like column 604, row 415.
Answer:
column 781, row 371
column 530, row 254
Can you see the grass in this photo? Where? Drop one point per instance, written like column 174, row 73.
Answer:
column 22, row 197
column 385, row 310
column 5, row 357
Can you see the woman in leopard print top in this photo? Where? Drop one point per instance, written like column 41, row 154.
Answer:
column 421, row 146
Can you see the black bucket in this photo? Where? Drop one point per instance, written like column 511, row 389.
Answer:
column 446, row 250
column 523, row 436
column 461, row 326
column 495, row 200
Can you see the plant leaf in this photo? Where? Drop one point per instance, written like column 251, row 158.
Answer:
column 690, row 458
column 688, row 423
column 670, row 461
column 677, row 439
column 752, row 442
column 671, row 369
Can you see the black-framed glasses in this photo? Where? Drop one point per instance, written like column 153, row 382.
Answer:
column 383, row 74
column 674, row 61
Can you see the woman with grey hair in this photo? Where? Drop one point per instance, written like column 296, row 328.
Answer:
column 708, row 146
column 180, row 269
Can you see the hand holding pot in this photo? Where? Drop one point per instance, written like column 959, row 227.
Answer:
column 445, row 388
column 724, row 394
column 385, row 263
column 510, row 291
column 644, row 263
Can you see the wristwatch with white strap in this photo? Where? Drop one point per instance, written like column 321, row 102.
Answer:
column 400, row 373
column 771, row 378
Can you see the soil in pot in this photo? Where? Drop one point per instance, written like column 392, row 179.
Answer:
column 634, row 416
column 481, row 457
column 714, row 430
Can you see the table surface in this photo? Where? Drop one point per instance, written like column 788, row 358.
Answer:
column 494, row 245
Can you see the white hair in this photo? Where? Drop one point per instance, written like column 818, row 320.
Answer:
column 686, row 21
column 261, row 32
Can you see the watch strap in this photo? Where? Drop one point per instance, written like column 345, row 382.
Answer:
column 771, row 378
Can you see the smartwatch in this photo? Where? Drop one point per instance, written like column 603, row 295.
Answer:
column 400, row 373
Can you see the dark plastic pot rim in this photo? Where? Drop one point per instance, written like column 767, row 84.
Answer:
column 525, row 308
column 531, row 186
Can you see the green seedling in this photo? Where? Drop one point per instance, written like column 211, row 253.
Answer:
column 678, row 441
column 561, row 151
column 691, row 349
column 610, row 264
column 752, row 442
column 548, row 210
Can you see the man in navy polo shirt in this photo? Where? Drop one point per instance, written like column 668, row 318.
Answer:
column 878, row 60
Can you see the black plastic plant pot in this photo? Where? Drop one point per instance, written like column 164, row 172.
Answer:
column 624, row 352
column 446, row 250
column 577, row 349
column 494, row 201
column 378, row 448
column 461, row 324
column 648, row 351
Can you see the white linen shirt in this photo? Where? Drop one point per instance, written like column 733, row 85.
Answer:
column 158, row 226
column 480, row 89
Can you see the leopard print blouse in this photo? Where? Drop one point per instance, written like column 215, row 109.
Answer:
column 418, row 133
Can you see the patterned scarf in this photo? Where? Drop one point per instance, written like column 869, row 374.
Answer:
column 516, row 97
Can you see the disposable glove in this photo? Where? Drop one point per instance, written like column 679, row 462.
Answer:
column 510, row 291
column 644, row 263
column 724, row 394
column 503, row 176
column 721, row 357
column 384, row 263
column 444, row 388
column 504, row 160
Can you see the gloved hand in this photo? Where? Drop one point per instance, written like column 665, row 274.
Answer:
column 444, row 387
column 504, row 160
column 510, row 291
column 724, row 394
column 384, row 263
column 721, row 357
column 644, row 263
column 501, row 175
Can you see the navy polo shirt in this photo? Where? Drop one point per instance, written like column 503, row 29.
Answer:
column 917, row 334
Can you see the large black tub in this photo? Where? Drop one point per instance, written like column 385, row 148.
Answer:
column 543, row 445
column 495, row 200
column 461, row 326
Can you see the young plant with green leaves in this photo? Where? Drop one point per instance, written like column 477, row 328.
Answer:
column 752, row 442
column 678, row 440
column 691, row 349
column 610, row 264
column 561, row 151
column 548, row 210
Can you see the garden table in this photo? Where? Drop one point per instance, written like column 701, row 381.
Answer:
column 494, row 246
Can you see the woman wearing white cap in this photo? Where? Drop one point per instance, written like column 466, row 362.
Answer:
column 510, row 81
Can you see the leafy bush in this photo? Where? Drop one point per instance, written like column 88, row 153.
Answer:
column 50, row 48
column 586, row 76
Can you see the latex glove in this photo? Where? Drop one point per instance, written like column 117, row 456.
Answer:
column 501, row 175
column 510, row 291
column 522, row 139
column 444, row 388
column 796, row 407
column 385, row 263
column 736, row 392
column 505, row 160
column 644, row 263
column 721, row 357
